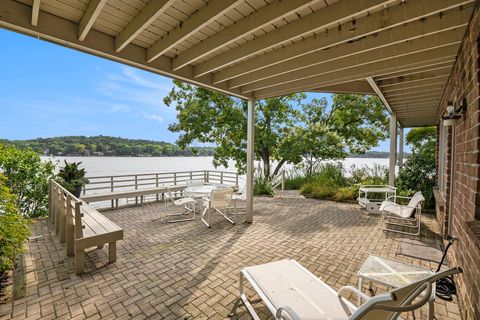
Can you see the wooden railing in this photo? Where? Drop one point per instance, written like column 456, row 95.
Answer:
column 279, row 180
column 104, row 184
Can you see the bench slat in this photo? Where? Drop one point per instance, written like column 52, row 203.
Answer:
column 129, row 193
column 98, row 218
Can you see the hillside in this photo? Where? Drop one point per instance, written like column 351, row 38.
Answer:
column 105, row 146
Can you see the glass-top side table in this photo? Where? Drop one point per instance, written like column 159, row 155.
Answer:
column 372, row 203
column 393, row 274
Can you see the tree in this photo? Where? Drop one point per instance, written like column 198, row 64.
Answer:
column 418, row 172
column 287, row 129
column 27, row 177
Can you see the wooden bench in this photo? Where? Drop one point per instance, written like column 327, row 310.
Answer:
column 130, row 194
column 81, row 226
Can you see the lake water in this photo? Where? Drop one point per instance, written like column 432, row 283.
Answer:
column 106, row 166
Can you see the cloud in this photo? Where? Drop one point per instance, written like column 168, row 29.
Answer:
column 151, row 116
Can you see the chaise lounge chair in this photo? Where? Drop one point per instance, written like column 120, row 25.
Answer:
column 404, row 216
column 291, row 292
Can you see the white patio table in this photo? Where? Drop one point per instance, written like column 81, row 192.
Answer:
column 203, row 190
column 393, row 274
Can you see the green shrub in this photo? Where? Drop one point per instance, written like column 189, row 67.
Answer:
column 262, row 186
column 376, row 174
column 13, row 228
column 27, row 177
column 330, row 174
column 345, row 194
column 318, row 190
column 418, row 172
column 294, row 179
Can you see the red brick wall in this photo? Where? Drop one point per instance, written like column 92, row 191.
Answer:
column 464, row 83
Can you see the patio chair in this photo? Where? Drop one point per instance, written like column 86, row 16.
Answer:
column 220, row 200
column 291, row 292
column 239, row 197
column 405, row 216
column 188, row 203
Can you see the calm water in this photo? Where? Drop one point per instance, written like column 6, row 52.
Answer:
column 105, row 166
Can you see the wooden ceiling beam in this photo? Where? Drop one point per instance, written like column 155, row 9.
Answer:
column 416, row 90
column 35, row 12
column 89, row 16
column 326, row 17
column 143, row 19
column 16, row 17
column 442, row 67
column 198, row 20
column 404, row 49
column 262, row 17
column 346, row 55
column 378, row 22
column 416, row 60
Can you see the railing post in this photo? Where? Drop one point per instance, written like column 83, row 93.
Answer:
column 156, row 183
column 204, row 176
column 236, row 179
column 191, row 175
column 111, row 188
column 69, row 230
column 283, row 180
column 136, row 187
column 221, row 177
column 175, row 178
column 50, row 198
column 208, row 176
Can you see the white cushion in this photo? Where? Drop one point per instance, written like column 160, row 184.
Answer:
column 287, row 283
column 183, row 201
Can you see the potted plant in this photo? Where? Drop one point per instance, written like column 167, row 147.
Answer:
column 72, row 178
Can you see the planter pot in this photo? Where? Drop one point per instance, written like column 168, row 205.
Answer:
column 78, row 191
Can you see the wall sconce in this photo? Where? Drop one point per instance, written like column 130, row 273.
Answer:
column 453, row 114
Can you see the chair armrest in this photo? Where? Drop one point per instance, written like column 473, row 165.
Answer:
column 287, row 310
column 353, row 290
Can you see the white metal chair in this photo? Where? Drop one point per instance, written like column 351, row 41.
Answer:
column 188, row 203
column 239, row 197
column 292, row 292
column 220, row 200
column 404, row 216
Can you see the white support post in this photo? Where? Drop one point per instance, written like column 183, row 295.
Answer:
column 250, row 158
column 393, row 149
column 401, row 141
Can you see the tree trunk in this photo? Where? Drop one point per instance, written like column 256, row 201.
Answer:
column 266, row 168
column 279, row 166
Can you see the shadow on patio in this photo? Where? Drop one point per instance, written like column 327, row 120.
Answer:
column 186, row 271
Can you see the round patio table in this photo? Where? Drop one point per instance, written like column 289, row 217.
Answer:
column 204, row 190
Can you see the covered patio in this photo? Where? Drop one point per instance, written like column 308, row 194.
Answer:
column 403, row 51
column 418, row 56
column 186, row 271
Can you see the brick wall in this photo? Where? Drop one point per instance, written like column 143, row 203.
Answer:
column 464, row 83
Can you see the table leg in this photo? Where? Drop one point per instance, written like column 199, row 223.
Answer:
column 360, row 281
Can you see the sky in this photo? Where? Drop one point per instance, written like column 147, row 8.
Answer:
column 47, row 90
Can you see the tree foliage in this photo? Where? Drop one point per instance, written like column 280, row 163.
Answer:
column 104, row 145
column 13, row 227
column 418, row 172
column 27, row 177
column 288, row 129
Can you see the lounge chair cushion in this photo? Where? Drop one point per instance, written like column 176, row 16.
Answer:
column 407, row 211
column 287, row 283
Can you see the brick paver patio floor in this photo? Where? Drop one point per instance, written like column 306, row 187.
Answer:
column 186, row 271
